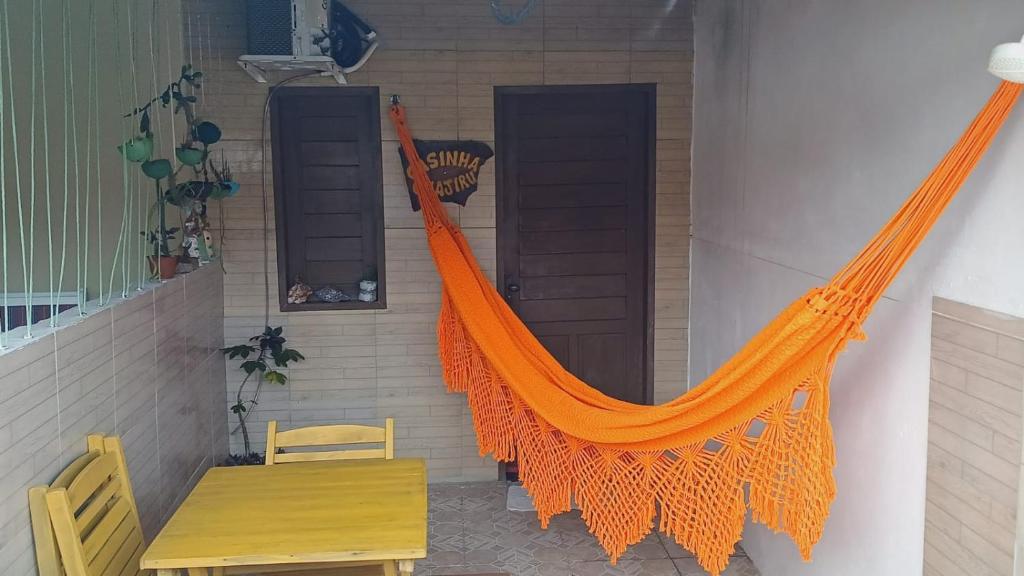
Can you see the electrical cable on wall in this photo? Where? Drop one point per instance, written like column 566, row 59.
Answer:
column 266, row 219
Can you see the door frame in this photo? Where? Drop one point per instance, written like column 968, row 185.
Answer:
column 502, row 210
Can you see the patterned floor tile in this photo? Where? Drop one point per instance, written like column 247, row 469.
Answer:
column 738, row 566
column 471, row 532
column 654, row 567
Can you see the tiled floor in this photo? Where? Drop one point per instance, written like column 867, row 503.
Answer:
column 471, row 532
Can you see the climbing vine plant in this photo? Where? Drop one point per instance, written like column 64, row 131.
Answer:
column 262, row 357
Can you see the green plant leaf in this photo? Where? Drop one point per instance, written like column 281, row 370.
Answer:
column 287, row 355
column 250, row 366
column 275, row 377
column 238, row 408
column 242, row 350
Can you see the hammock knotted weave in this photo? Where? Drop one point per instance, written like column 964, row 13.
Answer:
column 754, row 435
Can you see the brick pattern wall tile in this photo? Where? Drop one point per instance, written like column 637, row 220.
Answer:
column 147, row 369
column 974, row 441
column 444, row 57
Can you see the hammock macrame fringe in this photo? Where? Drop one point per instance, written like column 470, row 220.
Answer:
column 754, row 436
column 697, row 488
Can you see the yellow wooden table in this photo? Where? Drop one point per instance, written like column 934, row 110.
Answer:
column 301, row 515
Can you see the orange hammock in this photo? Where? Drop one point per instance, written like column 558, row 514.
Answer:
column 754, row 435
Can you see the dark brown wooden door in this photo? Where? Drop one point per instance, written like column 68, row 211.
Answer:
column 575, row 228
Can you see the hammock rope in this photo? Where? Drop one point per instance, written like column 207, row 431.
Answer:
column 759, row 423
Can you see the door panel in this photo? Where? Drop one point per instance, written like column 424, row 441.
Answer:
column 575, row 226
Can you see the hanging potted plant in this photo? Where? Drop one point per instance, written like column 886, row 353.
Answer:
column 161, row 263
column 189, row 194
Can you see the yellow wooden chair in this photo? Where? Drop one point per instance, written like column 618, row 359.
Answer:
column 47, row 553
column 332, row 435
column 88, row 522
column 94, row 517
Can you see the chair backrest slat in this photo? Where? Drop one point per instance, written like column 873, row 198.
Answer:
column 114, row 552
column 94, row 510
column 95, row 518
column 131, row 567
column 107, row 530
column 328, row 435
column 331, row 435
column 91, row 479
column 47, row 554
column 329, row 455
column 67, row 475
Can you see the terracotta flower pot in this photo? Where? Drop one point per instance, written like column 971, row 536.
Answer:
column 167, row 266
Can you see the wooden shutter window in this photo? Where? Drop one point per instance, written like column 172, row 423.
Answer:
column 328, row 192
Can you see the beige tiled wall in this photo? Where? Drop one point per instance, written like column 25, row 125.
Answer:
column 974, row 441
column 147, row 369
column 444, row 57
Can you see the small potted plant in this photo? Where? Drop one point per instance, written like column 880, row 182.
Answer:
column 162, row 263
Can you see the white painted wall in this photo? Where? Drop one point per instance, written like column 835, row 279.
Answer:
column 813, row 121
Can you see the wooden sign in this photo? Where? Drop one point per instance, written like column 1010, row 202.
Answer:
column 453, row 167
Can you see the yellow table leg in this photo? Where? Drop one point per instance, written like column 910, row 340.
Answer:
column 166, row 572
column 389, row 569
column 198, row 572
column 405, row 567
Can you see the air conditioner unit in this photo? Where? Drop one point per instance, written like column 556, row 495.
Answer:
column 292, row 35
column 309, row 28
column 286, row 27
